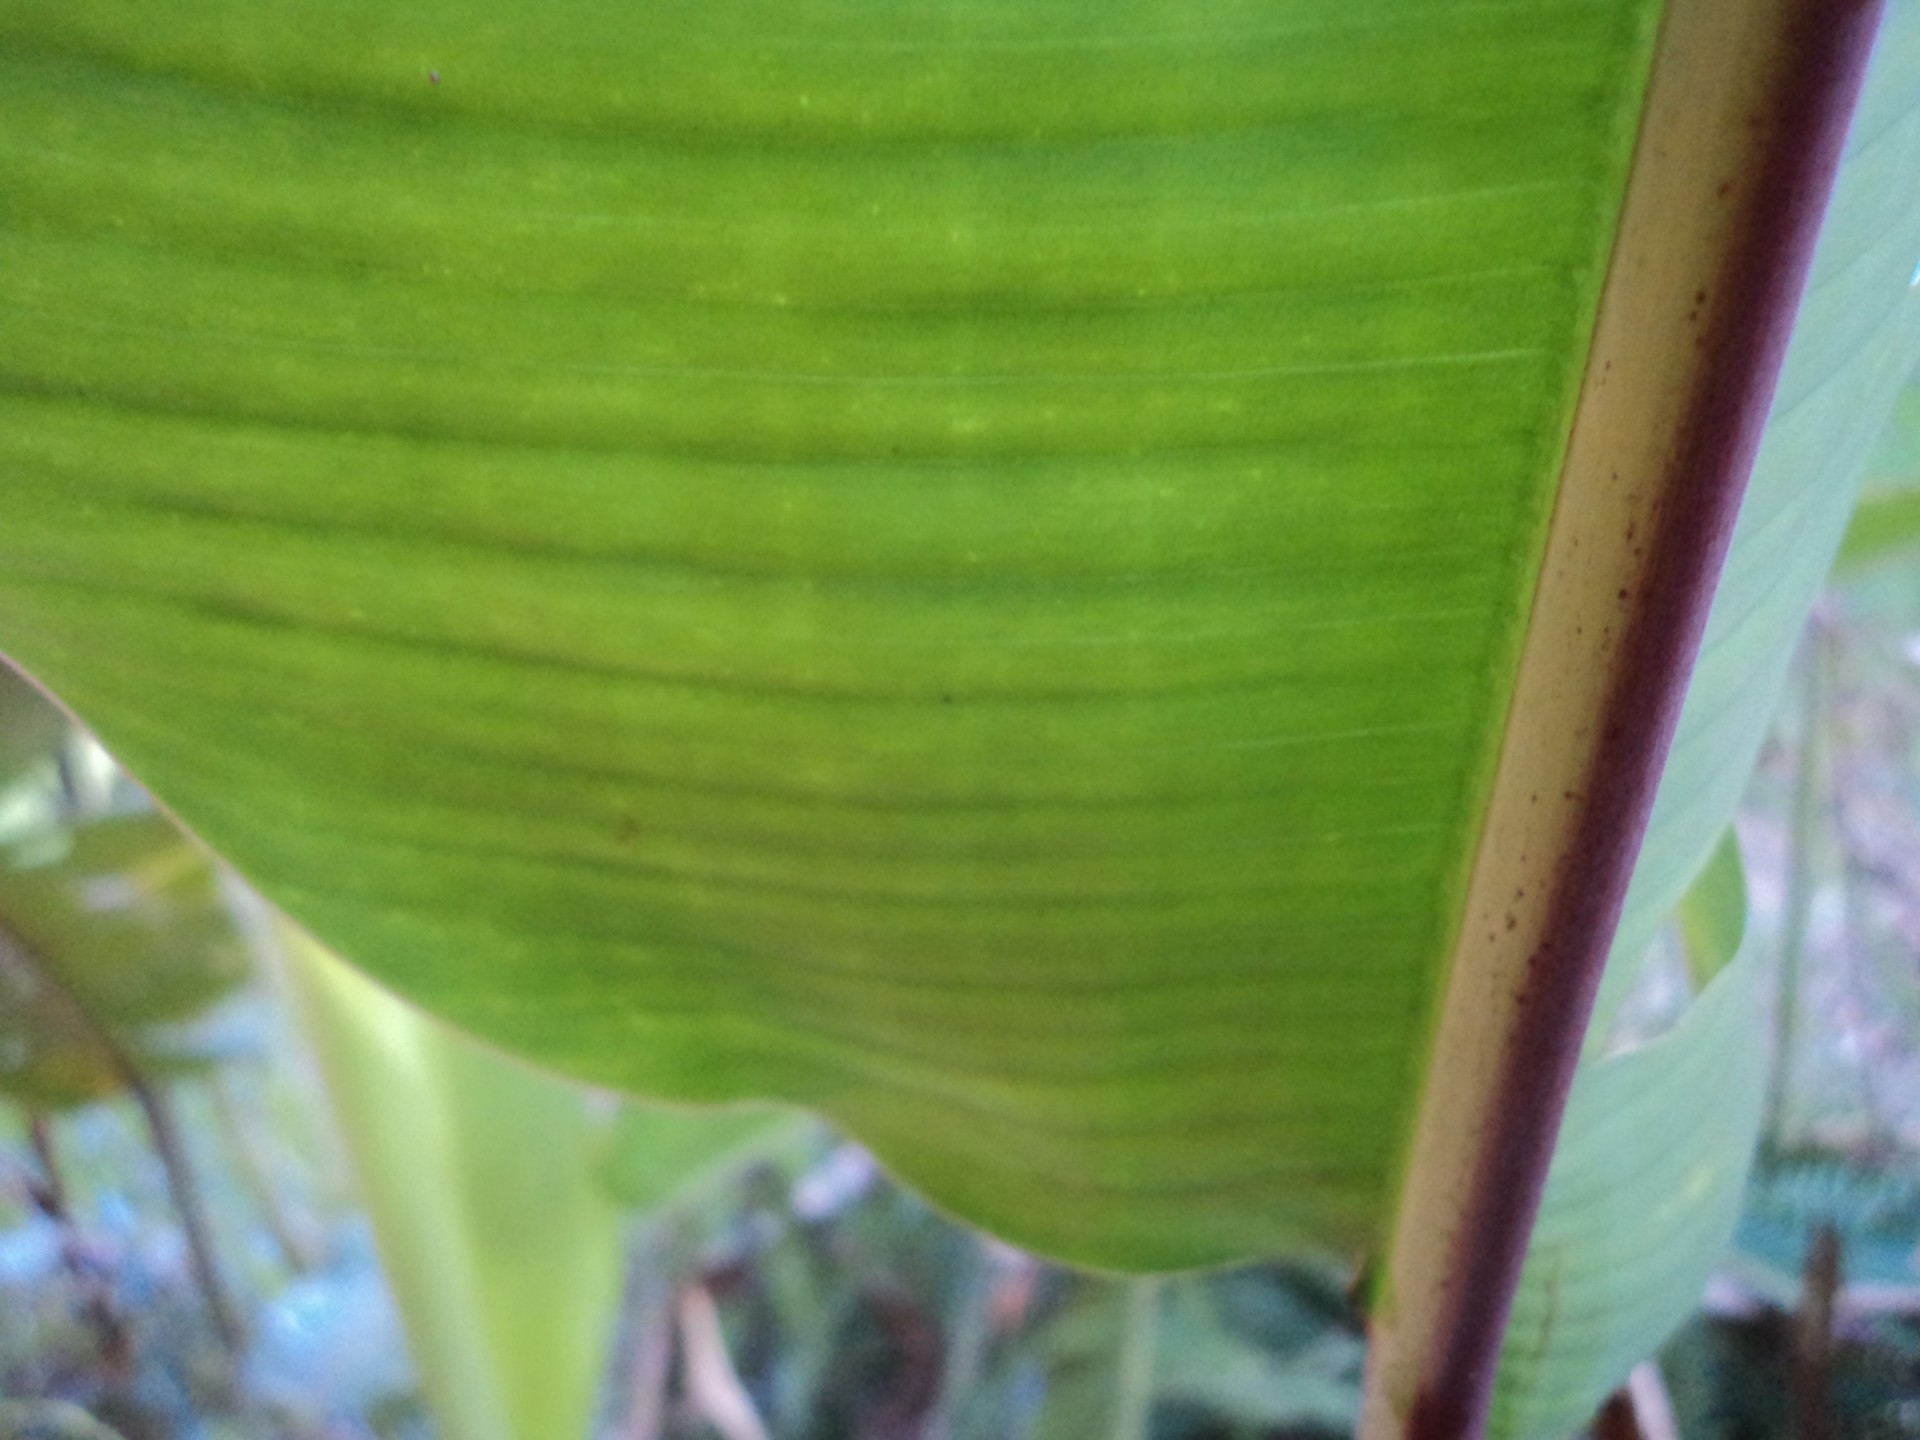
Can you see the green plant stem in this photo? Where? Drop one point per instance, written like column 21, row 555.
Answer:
column 1809, row 784
column 295, row 1253
column 184, row 1188
column 54, row 1196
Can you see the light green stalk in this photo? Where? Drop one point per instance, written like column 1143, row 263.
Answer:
column 483, row 1178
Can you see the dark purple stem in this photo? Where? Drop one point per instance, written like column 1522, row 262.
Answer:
column 1712, row 457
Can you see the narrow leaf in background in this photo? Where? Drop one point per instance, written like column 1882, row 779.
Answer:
column 1645, row 1187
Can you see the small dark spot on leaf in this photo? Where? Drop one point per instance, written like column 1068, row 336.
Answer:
column 1511, row 922
column 433, row 77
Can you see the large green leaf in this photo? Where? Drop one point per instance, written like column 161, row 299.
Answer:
column 960, row 564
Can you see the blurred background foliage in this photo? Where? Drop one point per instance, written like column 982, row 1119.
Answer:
column 189, row 1248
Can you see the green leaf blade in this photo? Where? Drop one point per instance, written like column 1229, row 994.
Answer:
column 982, row 614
